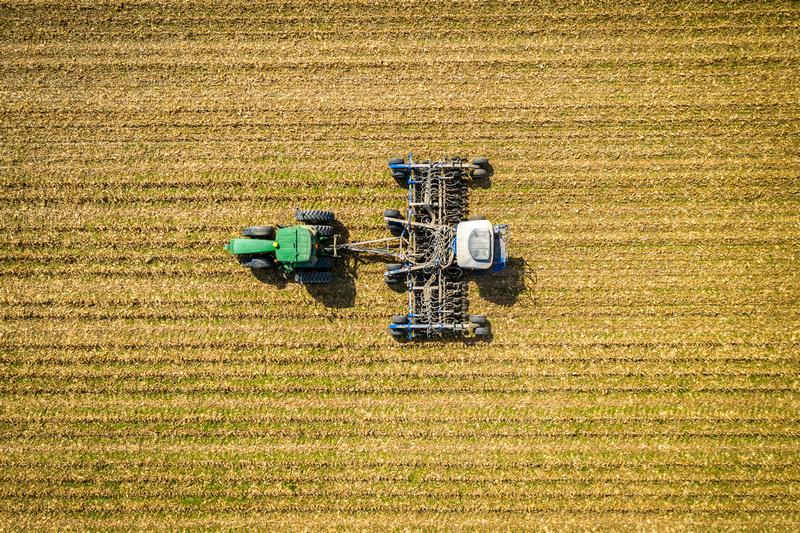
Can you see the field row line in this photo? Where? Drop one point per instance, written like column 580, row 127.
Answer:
column 149, row 389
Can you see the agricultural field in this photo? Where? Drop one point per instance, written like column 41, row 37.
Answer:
column 645, row 365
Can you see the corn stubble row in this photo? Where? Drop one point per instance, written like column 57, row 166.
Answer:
column 644, row 366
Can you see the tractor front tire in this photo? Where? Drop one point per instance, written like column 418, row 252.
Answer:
column 259, row 232
column 305, row 277
column 314, row 216
column 259, row 263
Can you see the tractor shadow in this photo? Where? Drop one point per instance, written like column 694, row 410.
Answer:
column 505, row 287
column 339, row 294
column 342, row 292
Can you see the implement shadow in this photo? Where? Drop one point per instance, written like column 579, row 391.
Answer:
column 505, row 287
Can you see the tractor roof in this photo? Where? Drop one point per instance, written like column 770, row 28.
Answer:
column 294, row 245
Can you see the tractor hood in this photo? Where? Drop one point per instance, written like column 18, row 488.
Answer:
column 250, row 246
column 295, row 245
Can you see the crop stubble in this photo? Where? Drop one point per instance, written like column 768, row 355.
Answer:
column 644, row 368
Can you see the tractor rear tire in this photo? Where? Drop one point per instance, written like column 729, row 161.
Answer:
column 314, row 216
column 305, row 277
column 259, row 263
column 259, row 232
column 482, row 332
column 476, row 217
column 478, row 319
column 325, row 263
column 323, row 231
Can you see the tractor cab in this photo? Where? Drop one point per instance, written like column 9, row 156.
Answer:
column 293, row 247
column 296, row 246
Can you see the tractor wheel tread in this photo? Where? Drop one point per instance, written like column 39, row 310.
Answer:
column 306, row 277
column 314, row 216
column 258, row 263
column 259, row 232
column 323, row 231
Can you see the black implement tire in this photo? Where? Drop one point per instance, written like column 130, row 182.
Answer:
column 393, row 266
column 482, row 332
column 400, row 179
column 306, row 277
column 325, row 263
column 397, row 161
column 395, row 229
column 478, row 319
column 482, row 162
column 476, row 217
column 392, row 213
column 323, row 231
column 399, row 319
column 314, row 216
column 259, row 232
column 259, row 263
column 480, row 174
column 400, row 335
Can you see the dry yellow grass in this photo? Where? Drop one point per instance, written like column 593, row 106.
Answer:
column 644, row 371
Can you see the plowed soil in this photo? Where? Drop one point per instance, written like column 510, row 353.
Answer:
column 644, row 370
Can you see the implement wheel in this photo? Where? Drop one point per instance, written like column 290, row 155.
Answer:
column 478, row 319
column 482, row 332
column 480, row 174
column 400, row 335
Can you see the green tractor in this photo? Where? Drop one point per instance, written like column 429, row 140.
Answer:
column 305, row 253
